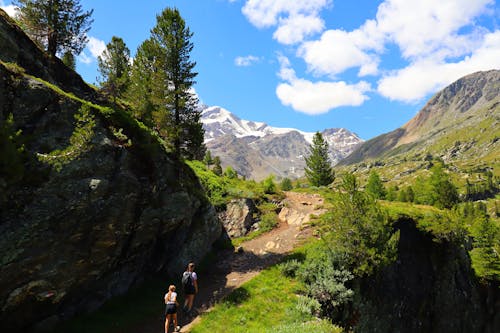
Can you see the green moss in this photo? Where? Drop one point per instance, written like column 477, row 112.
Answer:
column 79, row 142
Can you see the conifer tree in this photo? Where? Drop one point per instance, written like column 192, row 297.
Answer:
column 140, row 90
column 375, row 187
column 318, row 169
column 286, row 184
column 69, row 60
column 58, row 25
column 208, row 158
column 217, row 169
column 176, row 104
column 114, row 66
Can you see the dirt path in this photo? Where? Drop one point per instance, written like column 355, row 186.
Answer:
column 233, row 268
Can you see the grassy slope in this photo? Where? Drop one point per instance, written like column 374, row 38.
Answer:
column 267, row 303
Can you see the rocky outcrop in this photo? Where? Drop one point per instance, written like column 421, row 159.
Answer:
column 299, row 207
column 430, row 288
column 238, row 218
column 94, row 204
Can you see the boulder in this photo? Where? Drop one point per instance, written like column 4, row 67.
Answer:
column 238, row 217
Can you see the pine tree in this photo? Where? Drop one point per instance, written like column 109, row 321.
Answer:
column 217, row 169
column 375, row 187
column 114, row 66
column 176, row 104
column 318, row 169
column 208, row 158
column 69, row 60
column 57, row 25
column 140, row 92
column 286, row 184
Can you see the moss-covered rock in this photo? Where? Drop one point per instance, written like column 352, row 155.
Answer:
column 91, row 215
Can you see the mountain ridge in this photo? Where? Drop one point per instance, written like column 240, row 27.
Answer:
column 463, row 104
column 256, row 150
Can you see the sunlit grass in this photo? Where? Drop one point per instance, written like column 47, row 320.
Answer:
column 267, row 303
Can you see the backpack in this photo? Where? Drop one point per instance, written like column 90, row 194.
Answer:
column 187, row 279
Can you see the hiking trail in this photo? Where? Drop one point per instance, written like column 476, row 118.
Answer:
column 232, row 268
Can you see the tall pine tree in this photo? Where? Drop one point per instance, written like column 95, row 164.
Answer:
column 114, row 66
column 140, row 92
column 58, row 25
column 318, row 169
column 172, row 93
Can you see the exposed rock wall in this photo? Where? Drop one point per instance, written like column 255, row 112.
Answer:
column 238, row 218
column 430, row 288
column 75, row 233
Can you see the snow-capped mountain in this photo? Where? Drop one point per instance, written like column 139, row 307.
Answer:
column 255, row 149
column 218, row 121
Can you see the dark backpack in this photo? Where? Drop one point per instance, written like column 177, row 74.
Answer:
column 187, row 279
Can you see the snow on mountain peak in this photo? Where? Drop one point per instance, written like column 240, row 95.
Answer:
column 218, row 121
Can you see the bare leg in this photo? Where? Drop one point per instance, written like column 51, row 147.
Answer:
column 189, row 302
column 167, row 323
column 174, row 317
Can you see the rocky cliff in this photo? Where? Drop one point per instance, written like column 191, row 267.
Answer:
column 429, row 288
column 90, row 201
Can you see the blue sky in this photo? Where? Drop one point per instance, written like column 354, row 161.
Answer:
column 364, row 65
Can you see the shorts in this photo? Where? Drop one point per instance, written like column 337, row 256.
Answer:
column 189, row 290
column 170, row 308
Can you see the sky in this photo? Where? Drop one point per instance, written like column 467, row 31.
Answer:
column 368, row 66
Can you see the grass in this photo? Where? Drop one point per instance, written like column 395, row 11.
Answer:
column 267, row 303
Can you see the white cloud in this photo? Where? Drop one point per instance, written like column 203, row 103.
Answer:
column 96, row 46
column 428, row 75
column 440, row 41
column 246, row 60
column 422, row 27
column 338, row 50
column 295, row 20
column 294, row 29
column 317, row 97
column 9, row 9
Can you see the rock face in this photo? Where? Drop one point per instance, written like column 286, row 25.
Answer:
column 430, row 288
column 238, row 217
column 95, row 204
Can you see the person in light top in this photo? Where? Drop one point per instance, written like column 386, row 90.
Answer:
column 171, row 309
column 190, row 284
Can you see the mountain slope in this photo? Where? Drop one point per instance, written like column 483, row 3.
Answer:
column 461, row 122
column 256, row 150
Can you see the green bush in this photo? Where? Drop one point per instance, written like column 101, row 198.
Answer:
column 268, row 221
column 268, row 185
column 290, row 267
column 308, row 305
column 286, row 184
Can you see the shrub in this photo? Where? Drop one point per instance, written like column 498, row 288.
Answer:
column 268, row 221
column 286, row 184
column 289, row 268
column 268, row 185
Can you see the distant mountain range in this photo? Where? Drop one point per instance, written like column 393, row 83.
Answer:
column 256, row 150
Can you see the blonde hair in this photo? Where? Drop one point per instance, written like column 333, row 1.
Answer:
column 171, row 289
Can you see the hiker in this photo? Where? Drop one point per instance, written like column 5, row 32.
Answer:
column 190, row 284
column 171, row 309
